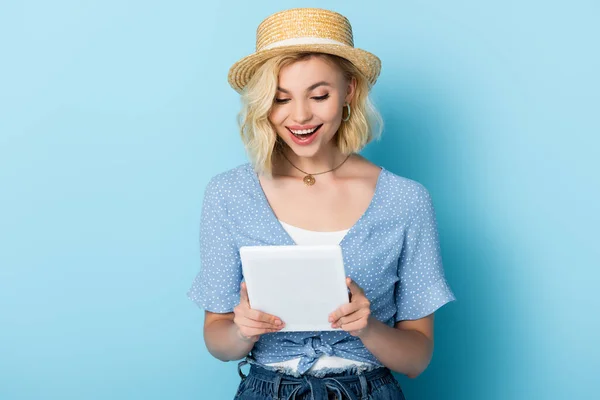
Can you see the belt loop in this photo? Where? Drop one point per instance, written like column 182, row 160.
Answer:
column 240, row 365
column 276, row 386
column 363, row 385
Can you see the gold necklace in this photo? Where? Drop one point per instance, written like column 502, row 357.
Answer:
column 309, row 179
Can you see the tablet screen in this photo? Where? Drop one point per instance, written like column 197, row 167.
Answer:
column 302, row 285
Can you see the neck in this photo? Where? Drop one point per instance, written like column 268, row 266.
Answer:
column 320, row 162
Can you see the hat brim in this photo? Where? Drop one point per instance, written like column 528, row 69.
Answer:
column 241, row 72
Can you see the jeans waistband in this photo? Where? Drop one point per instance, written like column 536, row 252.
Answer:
column 319, row 373
column 335, row 382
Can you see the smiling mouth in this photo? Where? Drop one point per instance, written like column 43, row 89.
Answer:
column 304, row 134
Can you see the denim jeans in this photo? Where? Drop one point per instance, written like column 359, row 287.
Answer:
column 266, row 384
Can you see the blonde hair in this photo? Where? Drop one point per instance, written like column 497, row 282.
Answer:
column 258, row 134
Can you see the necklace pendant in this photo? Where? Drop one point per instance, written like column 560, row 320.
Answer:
column 309, row 180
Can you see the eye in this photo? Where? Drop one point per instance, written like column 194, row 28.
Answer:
column 321, row 98
column 281, row 101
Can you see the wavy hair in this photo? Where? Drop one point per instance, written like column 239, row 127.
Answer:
column 258, row 134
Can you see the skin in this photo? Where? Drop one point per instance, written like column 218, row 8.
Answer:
column 335, row 202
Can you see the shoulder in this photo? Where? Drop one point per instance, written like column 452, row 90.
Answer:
column 407, row 196
column 404, row 186
column 223, row 188
column 228, row 180
column 402, row 189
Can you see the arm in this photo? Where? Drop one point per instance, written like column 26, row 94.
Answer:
column 222, row 337
column 218, row 287
column 406, row 348
column 231, row 336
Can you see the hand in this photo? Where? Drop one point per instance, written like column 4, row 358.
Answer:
column 354, row 316
column 253, row 323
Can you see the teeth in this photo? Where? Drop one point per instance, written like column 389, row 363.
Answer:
column 304, row 131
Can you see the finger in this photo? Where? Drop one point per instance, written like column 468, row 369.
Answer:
column 354, row 288
column 355, row 316
column 255, row 314
column 355, row 327
column 245, row 338
column 343, row 310
column 244, row 294
column 264, row 317
column 248, row 332
column 250, row 323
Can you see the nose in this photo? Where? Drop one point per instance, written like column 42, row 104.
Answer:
column 302, row 112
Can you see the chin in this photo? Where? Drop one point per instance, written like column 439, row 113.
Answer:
column 305, row 151
column 309, row 150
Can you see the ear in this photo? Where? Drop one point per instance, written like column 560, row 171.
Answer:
column 350, row 90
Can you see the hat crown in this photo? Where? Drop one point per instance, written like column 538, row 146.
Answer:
column 299, row 23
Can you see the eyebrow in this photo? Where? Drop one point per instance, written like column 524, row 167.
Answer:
column 311, row 87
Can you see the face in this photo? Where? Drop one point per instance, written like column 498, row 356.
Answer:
column 308, row 106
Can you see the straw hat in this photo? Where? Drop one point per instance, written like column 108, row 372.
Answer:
column 304, row 29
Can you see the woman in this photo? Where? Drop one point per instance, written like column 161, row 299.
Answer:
column 306, row 114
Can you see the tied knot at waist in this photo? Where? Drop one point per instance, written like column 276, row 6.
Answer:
column 320, row 388
column 314, row 348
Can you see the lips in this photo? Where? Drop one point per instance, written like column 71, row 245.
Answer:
column 304, row 135
column 302, row 128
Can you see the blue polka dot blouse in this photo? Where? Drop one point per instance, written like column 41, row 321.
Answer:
column 392, row 252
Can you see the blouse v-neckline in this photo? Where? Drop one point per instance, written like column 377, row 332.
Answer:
column 273, row 217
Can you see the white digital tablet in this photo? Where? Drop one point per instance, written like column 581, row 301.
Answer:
column 301, row 285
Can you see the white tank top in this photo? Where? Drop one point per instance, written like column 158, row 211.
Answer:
column 304, row 237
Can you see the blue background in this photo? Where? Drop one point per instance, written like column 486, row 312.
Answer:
column 114, row 115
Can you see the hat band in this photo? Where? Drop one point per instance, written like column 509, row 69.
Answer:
column 302, row 40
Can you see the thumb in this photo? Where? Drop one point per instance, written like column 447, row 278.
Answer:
column 354, row 288
column 244, row 293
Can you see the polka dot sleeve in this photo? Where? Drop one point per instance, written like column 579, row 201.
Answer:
column 216, row 288
column 422, row 287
